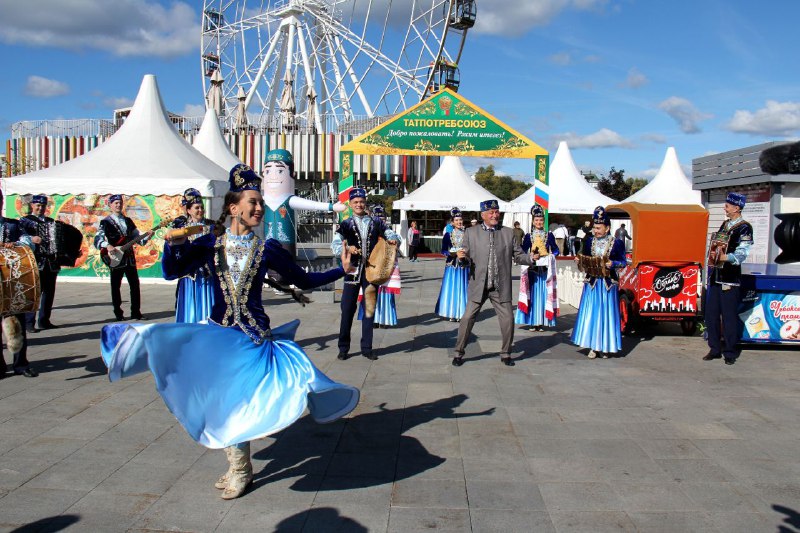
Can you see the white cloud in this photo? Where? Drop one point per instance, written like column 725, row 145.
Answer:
column 635, row 79
column 561, row 58
column 780, row 119
column 654, row 138
column 117, row 102
column 193, row 110
column 40, row 87
column 684, row 113
column 512, row 18
column 603, row 138
column 122, row 27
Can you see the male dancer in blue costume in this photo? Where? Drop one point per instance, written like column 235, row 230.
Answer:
column 597, row 325
column 235, row 378
column 361, row 232
column 11, row 234
column 541, row 244
column 723, row 297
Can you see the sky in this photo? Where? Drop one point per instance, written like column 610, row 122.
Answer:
column 619, row 80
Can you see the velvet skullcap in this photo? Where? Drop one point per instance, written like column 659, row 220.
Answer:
column 734, row 198
column 190, row 197
column 487, row 205
column 358, row 192
column 455, row 212
column 242, row 178
column 537, row 211
column 600, row 217
column 39, row 199
column 113, row 198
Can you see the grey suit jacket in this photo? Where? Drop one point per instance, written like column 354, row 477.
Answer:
column 476, row 245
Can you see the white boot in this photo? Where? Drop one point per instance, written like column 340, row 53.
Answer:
column 241, row 472
column 222, row 482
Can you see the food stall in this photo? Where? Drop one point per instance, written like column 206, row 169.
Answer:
column 662, row 281
column 770, row 308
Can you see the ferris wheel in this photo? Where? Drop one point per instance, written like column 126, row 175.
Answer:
column 329, row 62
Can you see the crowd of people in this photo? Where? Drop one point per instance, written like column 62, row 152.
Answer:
column 266, row 380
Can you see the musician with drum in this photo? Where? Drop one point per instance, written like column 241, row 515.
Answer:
column 116, row 235
column 41, row 229
column 385, row 302
column 538, row 302
column 727, row 251
column 597, row 326
column 12, row 236
column 360, row 233
column 195, row 297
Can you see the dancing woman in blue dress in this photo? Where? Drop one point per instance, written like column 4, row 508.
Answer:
column 452, row 300
column 235, row 378
column 532, row 309
column 195, row 296
column 597, row 326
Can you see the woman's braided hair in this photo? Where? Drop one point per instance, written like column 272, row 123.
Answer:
column 231, row 198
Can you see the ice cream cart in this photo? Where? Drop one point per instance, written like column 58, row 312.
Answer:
column 770, row 308
column 662, row 281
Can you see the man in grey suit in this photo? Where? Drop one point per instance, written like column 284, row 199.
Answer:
column 491, row 250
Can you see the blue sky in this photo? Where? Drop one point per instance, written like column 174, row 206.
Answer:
column 619, row 80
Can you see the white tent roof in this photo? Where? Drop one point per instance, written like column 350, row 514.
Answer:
column 210, row 143
column 146, row 156
column 449, row 187
column 570, row 193
column 670, row 186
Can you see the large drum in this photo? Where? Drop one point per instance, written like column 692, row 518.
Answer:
column 19, row 281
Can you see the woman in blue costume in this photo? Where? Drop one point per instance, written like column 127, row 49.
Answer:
column 597, row 326
column 542, row 244
column 195, row 296
column 385, row 305
column 452, row 300
column 233, row 379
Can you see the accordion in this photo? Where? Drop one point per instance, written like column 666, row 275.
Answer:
column 593, row 267
column 717, row 247
column 63, row 242
column 380, row 264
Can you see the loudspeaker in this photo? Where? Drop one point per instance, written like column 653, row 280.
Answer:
column 787, row 237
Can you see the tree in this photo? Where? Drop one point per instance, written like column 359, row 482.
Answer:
column 614, row 185
column 636, row 184
column 504, row 187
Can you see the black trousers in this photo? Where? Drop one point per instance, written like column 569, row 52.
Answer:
column 722, row 319
column 19, row 359
column 349, row 306
column 132, row 275
column 412, row 251
column 47, row 281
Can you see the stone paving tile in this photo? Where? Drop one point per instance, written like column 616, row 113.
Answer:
column 568, row 444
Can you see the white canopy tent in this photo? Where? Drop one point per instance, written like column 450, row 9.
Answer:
column 570, row 193
column 670, row 186
column 145, row 156
column 451, row 186
column 210, row 142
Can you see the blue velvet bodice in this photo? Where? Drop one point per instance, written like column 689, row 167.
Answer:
column 239, row 305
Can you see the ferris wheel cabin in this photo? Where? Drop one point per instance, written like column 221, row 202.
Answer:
column 462, row 14
column 445, row 74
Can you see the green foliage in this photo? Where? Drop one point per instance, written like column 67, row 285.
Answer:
column 614, row 185
column 504, row 187
column 636, row 184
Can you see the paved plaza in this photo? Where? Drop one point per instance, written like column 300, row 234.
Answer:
column 656, row 440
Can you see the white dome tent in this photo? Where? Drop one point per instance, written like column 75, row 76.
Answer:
column 451, row 186
column 670, row 186
column 570, row 193
column 210, row 143
column 146, row 160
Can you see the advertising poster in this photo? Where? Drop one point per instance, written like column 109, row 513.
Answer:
column 770, row 317
column 85, row 211
column 666, row 290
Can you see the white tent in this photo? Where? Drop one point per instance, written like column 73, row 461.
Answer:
column 570, row 193
column 210, row 143
column 670, row 186
column 146, row 156
column 449, row 187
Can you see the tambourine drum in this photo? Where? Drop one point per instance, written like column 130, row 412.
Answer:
column 592, row 266
column 381, row 262
column 68, row 240
column 19, row 281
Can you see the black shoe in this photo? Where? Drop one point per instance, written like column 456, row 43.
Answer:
column 507, row 361
column 119, row 318
column 342, row 356
column 369, row 355
column 140, row 316
column 458, row 361
column 32, row 329
column 28, row 373
column 47, row 325
column 729, row 360
column 710, row 356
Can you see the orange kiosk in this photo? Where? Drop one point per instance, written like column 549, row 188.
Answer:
column 663, row 278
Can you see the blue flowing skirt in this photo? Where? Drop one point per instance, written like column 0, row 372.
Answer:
column 597, row 325
column 222, row 387
column 452, row 300
column 385, row 309
column 537, row 296
column 195, row 299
